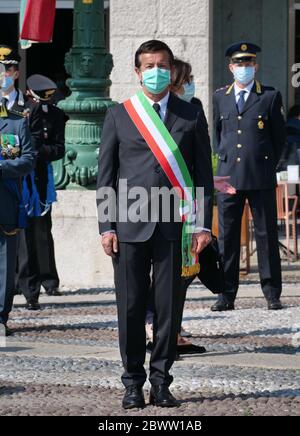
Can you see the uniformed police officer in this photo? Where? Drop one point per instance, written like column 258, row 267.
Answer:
column 17, row 157
column 250, row 133
column 36, row 260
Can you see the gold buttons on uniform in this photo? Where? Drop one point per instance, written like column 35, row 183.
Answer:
column 266, row 157
column 239, row 132
column 239, row 117
column 239, row 146
column 239, row 159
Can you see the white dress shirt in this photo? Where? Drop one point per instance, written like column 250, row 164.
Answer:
column 163, row 105
column 247, row 90
column 11, row 98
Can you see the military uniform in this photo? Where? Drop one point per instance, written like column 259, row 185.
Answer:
column 36, row 259
column 249, row 145
column 11, row 170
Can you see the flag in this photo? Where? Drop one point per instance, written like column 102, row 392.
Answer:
column 38, row 22
column 24, row 43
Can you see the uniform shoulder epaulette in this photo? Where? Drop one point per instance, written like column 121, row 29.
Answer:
column 21, row 114
column 223, row 88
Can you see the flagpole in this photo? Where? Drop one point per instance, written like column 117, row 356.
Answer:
column 89, row 63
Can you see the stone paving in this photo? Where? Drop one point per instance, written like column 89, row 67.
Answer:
column 64, row 359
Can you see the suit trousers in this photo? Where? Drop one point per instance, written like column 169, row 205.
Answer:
column 132, row 269
column 264, row 212
column 8, row 255
column 36, row 261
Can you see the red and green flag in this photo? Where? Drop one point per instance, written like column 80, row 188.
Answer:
column 36, row 21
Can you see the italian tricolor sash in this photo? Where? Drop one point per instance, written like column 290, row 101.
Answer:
column 167, row 153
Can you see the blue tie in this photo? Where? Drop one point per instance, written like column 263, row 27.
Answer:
column 241, row 102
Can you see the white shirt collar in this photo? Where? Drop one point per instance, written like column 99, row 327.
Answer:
column 248, row 88
column 11, row 98
column 163, row 104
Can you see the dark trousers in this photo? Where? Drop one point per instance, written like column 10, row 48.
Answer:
column 264, row 211
column 36, row 261
column 8, row 255
column 132, row 278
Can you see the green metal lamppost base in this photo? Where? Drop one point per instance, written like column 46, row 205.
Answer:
column 89, row 65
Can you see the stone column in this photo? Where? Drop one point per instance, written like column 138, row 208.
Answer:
column 184, row 25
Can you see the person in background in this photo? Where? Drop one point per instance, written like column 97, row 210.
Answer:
column 251, row 135
column 36, row 265
column 291, row 152
column 17, row 159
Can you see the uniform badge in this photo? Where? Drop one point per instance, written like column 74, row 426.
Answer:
column 244, row 47
column 261, row 125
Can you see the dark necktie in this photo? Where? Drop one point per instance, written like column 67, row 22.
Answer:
column 156, row 107
column 241, row 102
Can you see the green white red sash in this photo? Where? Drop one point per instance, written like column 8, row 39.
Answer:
column 167, row 153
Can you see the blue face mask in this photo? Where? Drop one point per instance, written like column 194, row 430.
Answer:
column 244, row 75
column 7, row 83
column 156, row 80
column 189, row 92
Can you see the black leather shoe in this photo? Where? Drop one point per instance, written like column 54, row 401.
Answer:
column 53, row 292
column 275, row 305
column 221, row 306
column 33, row 305
column 190, row 349
column 133, row 398
column 160, row 396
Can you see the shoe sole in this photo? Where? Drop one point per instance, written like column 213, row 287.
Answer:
column 142, row 406
column 152, row 402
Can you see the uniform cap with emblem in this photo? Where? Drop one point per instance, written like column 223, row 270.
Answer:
column 41, row 87
column 9, row 55
column 242, row 52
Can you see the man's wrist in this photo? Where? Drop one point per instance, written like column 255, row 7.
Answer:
column 202, row 229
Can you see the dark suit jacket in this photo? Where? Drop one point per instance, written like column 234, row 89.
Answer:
column 249, row 144
column 124, row 154
column 14, row 169
column 48, row 134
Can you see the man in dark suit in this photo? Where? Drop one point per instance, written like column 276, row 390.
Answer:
column 250, row 134
column 135, row 247
column 16, row 160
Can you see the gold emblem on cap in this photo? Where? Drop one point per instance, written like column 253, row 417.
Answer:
column 261, row 125
column 244, row 47
column 4, row 51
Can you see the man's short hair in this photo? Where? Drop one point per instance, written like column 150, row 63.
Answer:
column 153, row 46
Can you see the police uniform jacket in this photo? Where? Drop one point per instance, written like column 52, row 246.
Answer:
column 249, row 144
column 14, row 169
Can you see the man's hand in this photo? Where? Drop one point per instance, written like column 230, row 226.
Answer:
column 110, row 244
column 200, row 241
column 222, row 185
